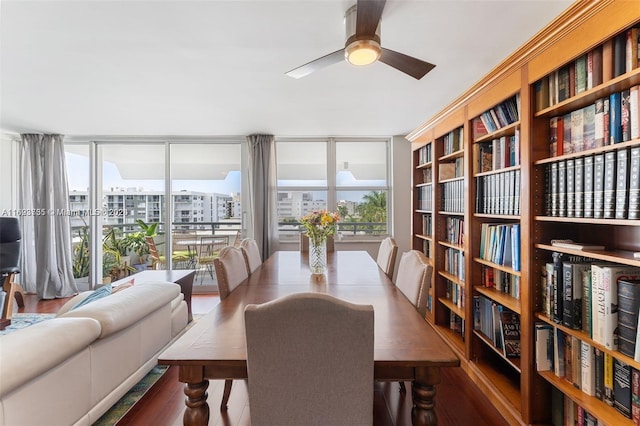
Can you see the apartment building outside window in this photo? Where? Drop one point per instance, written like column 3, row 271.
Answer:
column 346, row 175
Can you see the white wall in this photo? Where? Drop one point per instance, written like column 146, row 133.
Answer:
column 401, row 185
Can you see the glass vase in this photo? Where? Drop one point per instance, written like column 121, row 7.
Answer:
column 318, row 256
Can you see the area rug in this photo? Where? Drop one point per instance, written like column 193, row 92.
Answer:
column 19, row 321
column 120, row 408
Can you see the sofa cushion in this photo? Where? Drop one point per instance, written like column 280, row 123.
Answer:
column 124, row 308
column 30, row 352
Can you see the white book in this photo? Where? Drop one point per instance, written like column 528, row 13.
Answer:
column 544, row 355
column 588, row 370
column 634, row 118
column 610, row 276
column 558, row 352
column 597, row 303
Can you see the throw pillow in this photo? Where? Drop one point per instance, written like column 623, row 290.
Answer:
column 103, row 291
column 122, row 286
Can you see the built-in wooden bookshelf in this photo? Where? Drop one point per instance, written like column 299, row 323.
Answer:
column 507, row 158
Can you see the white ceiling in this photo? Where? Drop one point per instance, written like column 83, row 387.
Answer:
column 217, row 67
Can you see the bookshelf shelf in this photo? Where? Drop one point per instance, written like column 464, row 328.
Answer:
column 451, row 245
column 424, row 237
column 424, row 165
column 451, row 278
column 604, row 412
column 494, row 172
column 496, row 266
column 424, row 184
column 502, row 159
column 584, row 153
column 512, row 362
column 504, row 131
column 452, row 156
column 616, row 256
column 452, row 307
column 591, row 95
column 504, row 299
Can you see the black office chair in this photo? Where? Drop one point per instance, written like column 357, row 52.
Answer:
column 10, row 240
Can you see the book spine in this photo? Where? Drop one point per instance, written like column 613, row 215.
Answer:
column 586, row 301
column 615, row 119
column 578, row 182
column 558, row 296
column 608, row 379
column 553, row 172
column 598, row 124
column 599, row 374
column 625, row 114
column 609, row 184
column 622, row 387
column 635, row 396
column 598, row 186
column 587, row 358
column 588, row 185
column 634, row 114
column 562, row 188
column 634, row 183
column 570, row 180
column 622, row 183
column 589, row 129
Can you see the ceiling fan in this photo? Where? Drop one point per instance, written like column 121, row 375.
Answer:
column 362, row 25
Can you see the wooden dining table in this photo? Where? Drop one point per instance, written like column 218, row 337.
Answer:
column 405, row 346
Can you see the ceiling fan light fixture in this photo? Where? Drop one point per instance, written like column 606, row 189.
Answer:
column 362, row 52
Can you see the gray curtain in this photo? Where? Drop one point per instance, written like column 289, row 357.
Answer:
column 262, row 192
column 46, row 240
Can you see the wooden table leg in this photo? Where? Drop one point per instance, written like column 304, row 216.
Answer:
column 424, row 392
column 197, row 410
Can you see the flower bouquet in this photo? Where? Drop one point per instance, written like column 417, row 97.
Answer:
column 318, row 226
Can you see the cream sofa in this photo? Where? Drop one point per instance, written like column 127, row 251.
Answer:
column 71, row 369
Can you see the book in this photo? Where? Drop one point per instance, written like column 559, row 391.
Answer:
column 553, row 179
column 541, row 89
column 558, row 296
column 598, row 123
column 544, row 347
column 578, row 183
column 599, row 373
column 569, row 244
column 576, row 362
column 610, row 276
column 609, row 190
column 634, row 112
column 595, row 60
column 622, row 183
column 607, row 60
column 577, row 130
column 557, row 407
column 615, row 118
column 619, row 54
column 588, row 185
column 572, row 284
column 635, row 396
column 570, row 181
column 598, row 186
column 631, row 48
column 589, row 127
column 567, row 147
column 634, row 183
column 562, row 188
column 510, row 327
column 586, row 301
column 588, row 369
column 558, row 352
column 622, row 387
column 608, row 379
column 625, row 114
column 581, row 74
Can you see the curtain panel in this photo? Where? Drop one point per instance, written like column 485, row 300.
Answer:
column 262, row 192
column 47, row 265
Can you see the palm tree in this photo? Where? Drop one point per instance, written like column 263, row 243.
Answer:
column 374, row 209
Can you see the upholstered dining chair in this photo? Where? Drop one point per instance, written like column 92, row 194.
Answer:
column 304, row 243
column 231, row 270
column 310, row 361
column 251, row 254
column 387, row 253
column 414, row 280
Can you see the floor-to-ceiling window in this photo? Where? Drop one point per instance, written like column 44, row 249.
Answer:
column 119, row 188
column 346, row 175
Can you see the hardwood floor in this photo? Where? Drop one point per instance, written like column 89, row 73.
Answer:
column 458, row 400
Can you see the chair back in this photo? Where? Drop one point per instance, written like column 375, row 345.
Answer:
column 251, row 254
column 304, row 243
column 414, row 279
column 387, row 253
column 10, row 240
column 231, row 270
column 310, row 361
column 153, row 252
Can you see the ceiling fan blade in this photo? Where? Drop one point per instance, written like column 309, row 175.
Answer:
column 368, row 14
column 317, row 64
column 416, row 68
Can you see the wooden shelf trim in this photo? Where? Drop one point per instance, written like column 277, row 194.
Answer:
column 502, row 392
column 453, row 339
column 451, row 156
column 506, row 269
column 617, row 256
column 498, row 216
column 445, row 213
column 418, row 185
column 451, row 179
column 424, row 211
column 424, row 165
column 504, row 299
column 423, row 237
